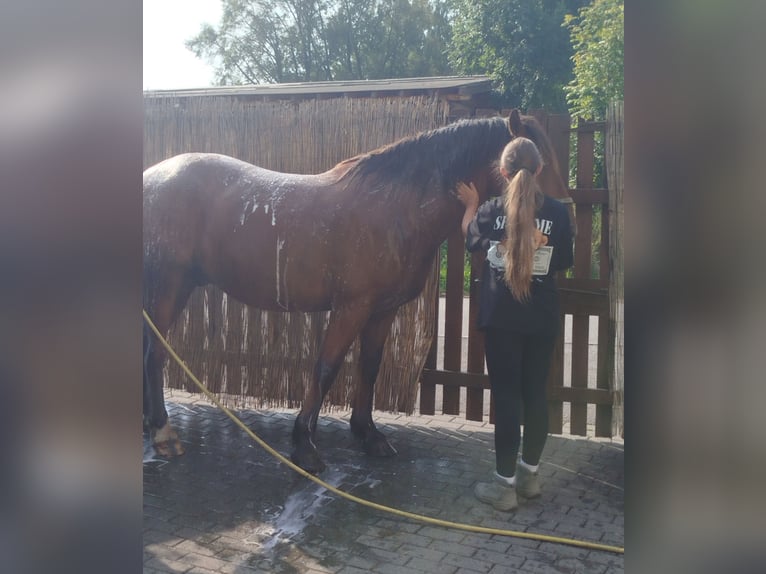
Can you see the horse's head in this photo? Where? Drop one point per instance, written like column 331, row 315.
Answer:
column 550, row 179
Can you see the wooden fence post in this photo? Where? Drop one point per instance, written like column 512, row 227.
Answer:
column 614, row 167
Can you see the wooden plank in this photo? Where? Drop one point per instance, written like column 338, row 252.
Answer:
column 555, row 381
column 583, row 242
column 475, row 337
column 578, row 410
column 453, row 319
column 583, row 245
column 603, row 411
column 584, row 213
column 540, row 115
column 589, row 196
column 614, row 145
column 475, row 397
column 603, row 271
column 583, row 284
column 558, row 132
column 427, row 396
column 433, row 349
column 474, row 407
column 589, row 127
column 583, row 302
column 454, row 379
column 579, row 395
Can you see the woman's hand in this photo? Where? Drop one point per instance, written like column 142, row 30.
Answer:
column 469, row 196
column 540, row 239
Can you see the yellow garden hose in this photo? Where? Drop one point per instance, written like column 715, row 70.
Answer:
column 346, row 495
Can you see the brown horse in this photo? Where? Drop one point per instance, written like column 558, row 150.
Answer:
column 358, row 240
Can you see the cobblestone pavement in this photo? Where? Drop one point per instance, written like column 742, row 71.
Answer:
column 227, row 506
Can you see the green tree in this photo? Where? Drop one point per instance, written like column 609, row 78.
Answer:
column 266, row 41
column 277, row 41
column 520, row 44
column 598, row 39
column 353, row 31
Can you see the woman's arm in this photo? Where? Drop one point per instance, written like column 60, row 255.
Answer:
column 470, row 198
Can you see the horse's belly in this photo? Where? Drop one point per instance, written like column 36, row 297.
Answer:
column 274, row 281
column 280, row 301
column 276, row 290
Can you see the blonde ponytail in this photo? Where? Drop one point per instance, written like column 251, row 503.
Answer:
column 522, row 199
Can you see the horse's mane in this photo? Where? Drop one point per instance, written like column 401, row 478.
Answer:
column 436, row 158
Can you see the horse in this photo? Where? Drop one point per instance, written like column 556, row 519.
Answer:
column 358, row 240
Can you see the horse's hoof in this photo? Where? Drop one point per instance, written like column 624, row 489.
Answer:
column 169, row 448
column 166, row 442
column 376, row 444
column 308, row 459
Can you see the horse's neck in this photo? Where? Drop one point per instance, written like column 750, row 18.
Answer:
column 440, row 214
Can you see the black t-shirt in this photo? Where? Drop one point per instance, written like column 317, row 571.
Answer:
column 497, row 306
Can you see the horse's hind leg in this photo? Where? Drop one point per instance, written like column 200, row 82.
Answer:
column 373, row 339
column 342, row 329
column 166, row 304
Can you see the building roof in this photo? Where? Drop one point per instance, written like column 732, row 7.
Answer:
column 457, row 85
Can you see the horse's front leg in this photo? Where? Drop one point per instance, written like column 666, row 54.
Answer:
column 373, row 339
column 342, row 329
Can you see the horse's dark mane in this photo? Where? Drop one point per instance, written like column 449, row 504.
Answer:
column 436, row 158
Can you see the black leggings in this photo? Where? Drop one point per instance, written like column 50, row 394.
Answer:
column 518, row 366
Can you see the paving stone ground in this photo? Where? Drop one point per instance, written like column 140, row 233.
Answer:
column 226, row 506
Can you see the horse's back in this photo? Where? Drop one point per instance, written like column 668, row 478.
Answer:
column 237, row 225
column 185, row 160
column 188, row 168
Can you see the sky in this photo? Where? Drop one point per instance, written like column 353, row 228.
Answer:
column 167, row 25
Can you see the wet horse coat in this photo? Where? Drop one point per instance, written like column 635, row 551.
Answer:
column 358, row 240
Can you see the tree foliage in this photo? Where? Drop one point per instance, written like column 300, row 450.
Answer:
column 553, row 54
column 520, row 44
column 598, row 38
column 277, row 41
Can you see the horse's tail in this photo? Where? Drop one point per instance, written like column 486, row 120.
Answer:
column 149, row 281
column 147, row 348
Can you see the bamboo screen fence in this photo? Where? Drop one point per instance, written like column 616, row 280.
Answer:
column 265, row 358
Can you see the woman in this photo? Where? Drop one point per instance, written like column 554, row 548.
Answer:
column 527, row 238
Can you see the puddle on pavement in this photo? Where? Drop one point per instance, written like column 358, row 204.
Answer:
column 301, row 507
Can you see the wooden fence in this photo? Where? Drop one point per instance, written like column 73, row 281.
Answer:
column 582, row 376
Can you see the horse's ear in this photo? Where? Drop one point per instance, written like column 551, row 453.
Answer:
column 514, row 121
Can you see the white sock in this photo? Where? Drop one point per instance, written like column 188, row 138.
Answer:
column 509, row 481
column 531, row 468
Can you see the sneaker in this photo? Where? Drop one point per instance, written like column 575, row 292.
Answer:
column 527, row 483
column 498, row 493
